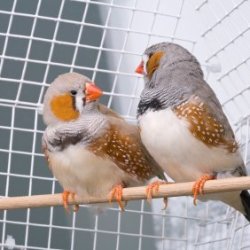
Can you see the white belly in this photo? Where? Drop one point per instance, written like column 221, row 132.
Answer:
column 80, row 171
column 178, row 152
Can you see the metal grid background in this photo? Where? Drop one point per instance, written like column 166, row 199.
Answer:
column 104, row 39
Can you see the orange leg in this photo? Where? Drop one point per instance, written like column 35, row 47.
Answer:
column 154, row 188
column 65, row 197
column 198, row 187
column 116, row 193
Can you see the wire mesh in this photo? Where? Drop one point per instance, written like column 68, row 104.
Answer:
column 104, row 40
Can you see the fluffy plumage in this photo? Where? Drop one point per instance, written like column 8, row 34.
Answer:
column 95, row 151
column 182, row 122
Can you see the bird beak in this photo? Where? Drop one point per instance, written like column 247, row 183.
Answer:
column 140, row 68
column 92, row 92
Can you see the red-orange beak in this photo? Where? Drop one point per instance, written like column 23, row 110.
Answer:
column 140, row 68
column 92, row 92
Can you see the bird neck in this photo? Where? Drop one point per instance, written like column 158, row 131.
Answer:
column 90, row 107
column 170, row 85
column 158, row 98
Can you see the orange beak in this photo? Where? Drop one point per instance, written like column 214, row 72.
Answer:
column 140, row 68
column 92, row 92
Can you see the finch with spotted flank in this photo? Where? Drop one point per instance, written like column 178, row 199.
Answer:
column 183, row 126
column 90, row 149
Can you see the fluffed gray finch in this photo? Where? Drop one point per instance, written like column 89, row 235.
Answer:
column 90, row 149
column 183, row 126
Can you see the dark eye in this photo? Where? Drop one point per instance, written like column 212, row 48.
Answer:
column 73, row 92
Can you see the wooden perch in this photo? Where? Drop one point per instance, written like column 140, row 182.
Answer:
column 135, row 193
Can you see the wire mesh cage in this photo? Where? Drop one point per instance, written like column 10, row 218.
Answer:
column 104, row 39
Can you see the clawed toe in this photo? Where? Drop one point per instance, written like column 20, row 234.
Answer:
column 165, row 201
column 198, row 187
column 116, row 193
column 65, row 197
column 153, row 188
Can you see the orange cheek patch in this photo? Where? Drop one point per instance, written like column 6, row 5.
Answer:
column 63, row 108
column 153, row 62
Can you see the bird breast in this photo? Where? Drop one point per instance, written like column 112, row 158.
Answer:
column 182, row 156
column 79, row 170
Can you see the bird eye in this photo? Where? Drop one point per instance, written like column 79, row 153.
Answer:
column 73, row 92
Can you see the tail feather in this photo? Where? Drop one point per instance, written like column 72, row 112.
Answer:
column 245, row 199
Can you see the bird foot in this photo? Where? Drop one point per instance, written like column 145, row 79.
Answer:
column 153, row 188
column 116, row 193
column 198, row 187
column 65, row 197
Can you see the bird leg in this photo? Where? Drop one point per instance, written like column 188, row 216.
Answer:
column 198, row 187
column 154, row 188
column 65, row 197
column 116, row 193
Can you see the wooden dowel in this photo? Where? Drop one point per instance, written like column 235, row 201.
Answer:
column 135, row 193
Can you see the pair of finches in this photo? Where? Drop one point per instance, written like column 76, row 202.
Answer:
column 182, row 131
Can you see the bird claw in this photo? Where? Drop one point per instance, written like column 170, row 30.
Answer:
column 76, row 208
column 65, row 197
column 198, row 187
column 153, row 188
column 165, row 201
column 116, row 193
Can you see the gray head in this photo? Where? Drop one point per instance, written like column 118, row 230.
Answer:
column 169, row 71
column 164, row 55
column 67, row 97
